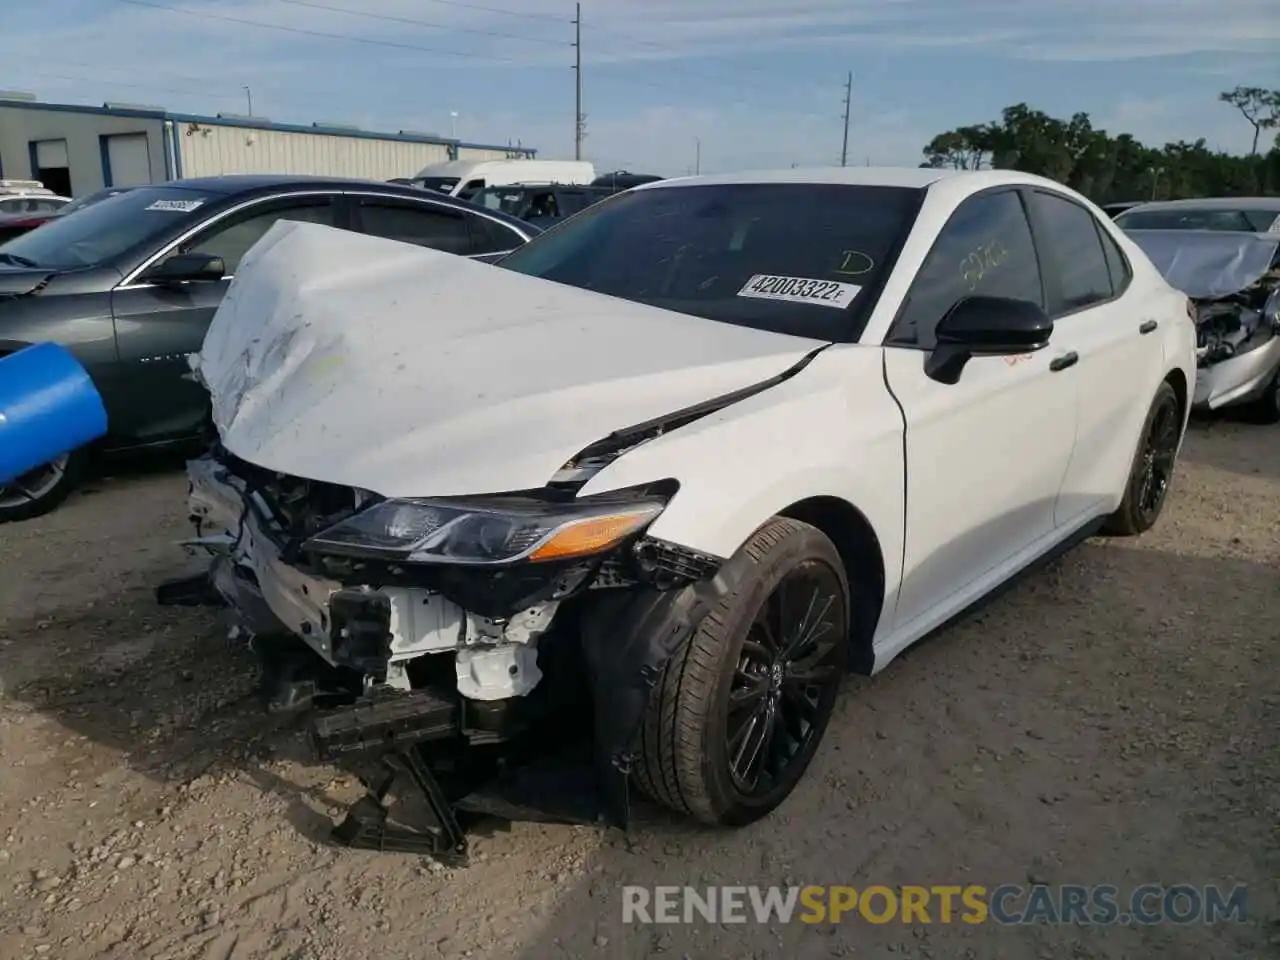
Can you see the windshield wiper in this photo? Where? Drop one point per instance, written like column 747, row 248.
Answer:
column 17, row 260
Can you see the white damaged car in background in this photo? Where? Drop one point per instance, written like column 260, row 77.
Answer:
column 1233, row 280
column 625, row 507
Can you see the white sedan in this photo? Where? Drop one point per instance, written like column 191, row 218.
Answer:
column 696, row 452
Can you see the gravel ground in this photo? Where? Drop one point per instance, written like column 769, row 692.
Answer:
column 1113, row 718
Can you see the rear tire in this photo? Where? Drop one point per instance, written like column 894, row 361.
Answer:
column 43, row 489
column 1150, row 475
column 775, row 650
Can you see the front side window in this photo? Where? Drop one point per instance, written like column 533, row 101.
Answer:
column 232, row 238
column 795, row 258
column 1079, row 261
column 421, row 224
column 985, row 249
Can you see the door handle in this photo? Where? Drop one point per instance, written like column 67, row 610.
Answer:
column 1064, row 361
column 1148, row 326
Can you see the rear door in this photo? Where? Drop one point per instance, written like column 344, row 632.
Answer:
column 157, row 326
column 1120, row 358
column 986, row 456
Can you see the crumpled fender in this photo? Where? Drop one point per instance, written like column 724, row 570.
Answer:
column 627, row 639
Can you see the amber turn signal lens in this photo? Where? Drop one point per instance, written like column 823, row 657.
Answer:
column 590, row 535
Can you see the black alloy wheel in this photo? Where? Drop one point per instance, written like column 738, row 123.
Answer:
column 1151, row 474
column 788, row 669
column 743, row 703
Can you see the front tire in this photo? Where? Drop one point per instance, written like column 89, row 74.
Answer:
column 41, row 490
column 1152, row 470
column 741, row 707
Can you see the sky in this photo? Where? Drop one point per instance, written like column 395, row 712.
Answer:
column 668, row 85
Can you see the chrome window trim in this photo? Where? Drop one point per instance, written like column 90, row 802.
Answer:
column 130, row 281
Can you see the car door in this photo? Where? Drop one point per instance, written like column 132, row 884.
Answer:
column 159, row 326
column 1120, row 362
column 985, row 456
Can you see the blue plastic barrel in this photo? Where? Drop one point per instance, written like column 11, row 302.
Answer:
column 48, row 407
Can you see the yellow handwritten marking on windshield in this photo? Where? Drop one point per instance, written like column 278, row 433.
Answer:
column 981, row 261
column 854, row 263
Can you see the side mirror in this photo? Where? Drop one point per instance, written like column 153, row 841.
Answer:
column 186, row 268
column 986, row 326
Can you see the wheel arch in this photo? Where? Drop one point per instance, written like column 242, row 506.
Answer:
column 1178, row 380
column 859, row 548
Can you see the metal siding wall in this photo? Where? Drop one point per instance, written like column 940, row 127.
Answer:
column 211, row 150
column 19, row 126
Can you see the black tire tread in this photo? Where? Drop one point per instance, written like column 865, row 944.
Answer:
column 1124, row 522
column 668, row 769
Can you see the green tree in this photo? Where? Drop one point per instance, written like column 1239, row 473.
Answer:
column 1261, row 107
column 1106, row 167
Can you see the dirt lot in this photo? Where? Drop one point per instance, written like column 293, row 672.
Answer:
column 1112, row 719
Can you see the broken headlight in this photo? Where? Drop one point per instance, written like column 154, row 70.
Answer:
column 487, row 530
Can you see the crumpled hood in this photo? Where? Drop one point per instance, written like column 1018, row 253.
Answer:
column 381, row 365
column 1208, row 264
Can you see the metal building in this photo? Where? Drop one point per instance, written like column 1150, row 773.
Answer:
column 76, row 149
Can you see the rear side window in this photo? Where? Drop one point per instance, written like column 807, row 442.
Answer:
column 1076, row 258
column 1117, row 265
column 797, row 258
column 984, row 249
column 490, row 236
column 421, row 224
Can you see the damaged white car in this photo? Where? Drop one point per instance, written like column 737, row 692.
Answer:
column 1233, row 279
column 625, row 507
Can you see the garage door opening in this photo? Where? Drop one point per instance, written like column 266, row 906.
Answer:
column 126, row 160
column 49, row 165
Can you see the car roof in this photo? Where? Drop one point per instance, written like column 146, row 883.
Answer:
column 1212, row 203
column 232, row 185
column 909, row 177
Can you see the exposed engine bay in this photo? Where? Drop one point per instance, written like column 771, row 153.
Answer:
column 1233, row 283
column 390, row 654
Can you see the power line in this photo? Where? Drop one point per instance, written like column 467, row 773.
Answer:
column 421, row 23
column 135, row 86
column 546, row 17
column 323, row 35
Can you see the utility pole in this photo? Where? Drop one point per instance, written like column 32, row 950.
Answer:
column 249, row 96
column 578, row 118
column 848, row 99
column 697, row 155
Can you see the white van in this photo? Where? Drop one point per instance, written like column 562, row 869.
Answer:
column 463, row 178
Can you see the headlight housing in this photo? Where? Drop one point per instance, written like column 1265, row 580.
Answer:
column 487, row 530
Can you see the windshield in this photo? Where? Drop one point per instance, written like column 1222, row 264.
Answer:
column 91, row 199
column 101, row 231
column 442, row 184
column 505, row 199
column 791, row 258
column 1200, row 218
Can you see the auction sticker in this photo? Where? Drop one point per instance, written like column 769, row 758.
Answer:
column 176, row 206
column 823, row 293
